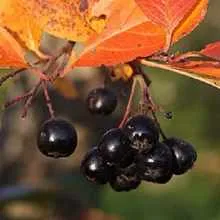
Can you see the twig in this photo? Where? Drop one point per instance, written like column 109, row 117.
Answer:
column 10, row 75
column 30, row 98
column 48, row 100
column 16, row 100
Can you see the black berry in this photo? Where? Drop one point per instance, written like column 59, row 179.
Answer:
column 115, row 147
column 57, row 138
column 94, row 167
column 156, row 165
column 142, row 131
column 101, row 101
column 125, row 179
column 184, row 155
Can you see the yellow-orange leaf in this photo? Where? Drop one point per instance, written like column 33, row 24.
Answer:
column 73, row 20
column 16, row 18
column 11, row 54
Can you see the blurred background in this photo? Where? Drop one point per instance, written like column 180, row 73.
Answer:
column 35, row 187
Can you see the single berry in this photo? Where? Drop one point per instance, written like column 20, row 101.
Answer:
column 57, row 138
column 125, row 179
column 184, row 155
column 142, row 131
column 101, row 101
column 156, row 165
column 94, row 167
column 115, row 147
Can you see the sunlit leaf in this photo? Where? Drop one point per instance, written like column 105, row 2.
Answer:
column 11, row 53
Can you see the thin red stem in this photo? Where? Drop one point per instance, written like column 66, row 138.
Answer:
column 16, row 100
column 48, row 100
column 129, row 105
column 29, row 99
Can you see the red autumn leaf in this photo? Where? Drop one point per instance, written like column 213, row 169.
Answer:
column 129, row 34
column 195, row 65
column 170, row 14
column 212, row 50
column 119, row 49
column 11, row 53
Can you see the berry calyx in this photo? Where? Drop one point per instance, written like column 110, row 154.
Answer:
column 184, row 155
column 115, row 147
column 125, row 179
column 57, row 138
column 101, row 101
column 123, row 183
column 156, row 165
column 94, row 167
column 142, row 132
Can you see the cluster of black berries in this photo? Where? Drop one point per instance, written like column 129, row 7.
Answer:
column 126, row 156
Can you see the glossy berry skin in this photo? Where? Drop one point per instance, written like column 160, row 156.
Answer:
column 57, row 138
column 94, row 167
column 125, row 179
column 184, row 155
column 156, row 165
column 114, row 146
column 142, row 131
column 101, row 101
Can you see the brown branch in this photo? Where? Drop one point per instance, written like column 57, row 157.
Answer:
column 10, row 75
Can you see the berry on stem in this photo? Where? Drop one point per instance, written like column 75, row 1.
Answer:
column 123, row 183
column 156, row 165
column 142, row 131
column 125, row 179
column 101, row 101
column 184, row 154
column 94, row 167
column 57, row 138
column 115, row 147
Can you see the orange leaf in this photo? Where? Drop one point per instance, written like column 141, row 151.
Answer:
column 73, row 20
column 11, row 54
column 204, row 71
column 16, row 18
column 212, row 50
column 177, row 17
column 128, row 34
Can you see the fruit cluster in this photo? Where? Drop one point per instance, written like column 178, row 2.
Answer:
column 124, row 156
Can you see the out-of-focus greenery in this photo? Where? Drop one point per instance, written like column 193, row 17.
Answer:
column 193, row 196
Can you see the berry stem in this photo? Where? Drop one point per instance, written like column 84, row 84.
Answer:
column 16, row 100
column 158, row 125
column 129, row 105
column 48, row 100
column 29, row 100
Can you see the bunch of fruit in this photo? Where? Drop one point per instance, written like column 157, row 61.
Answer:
column 124, row 156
